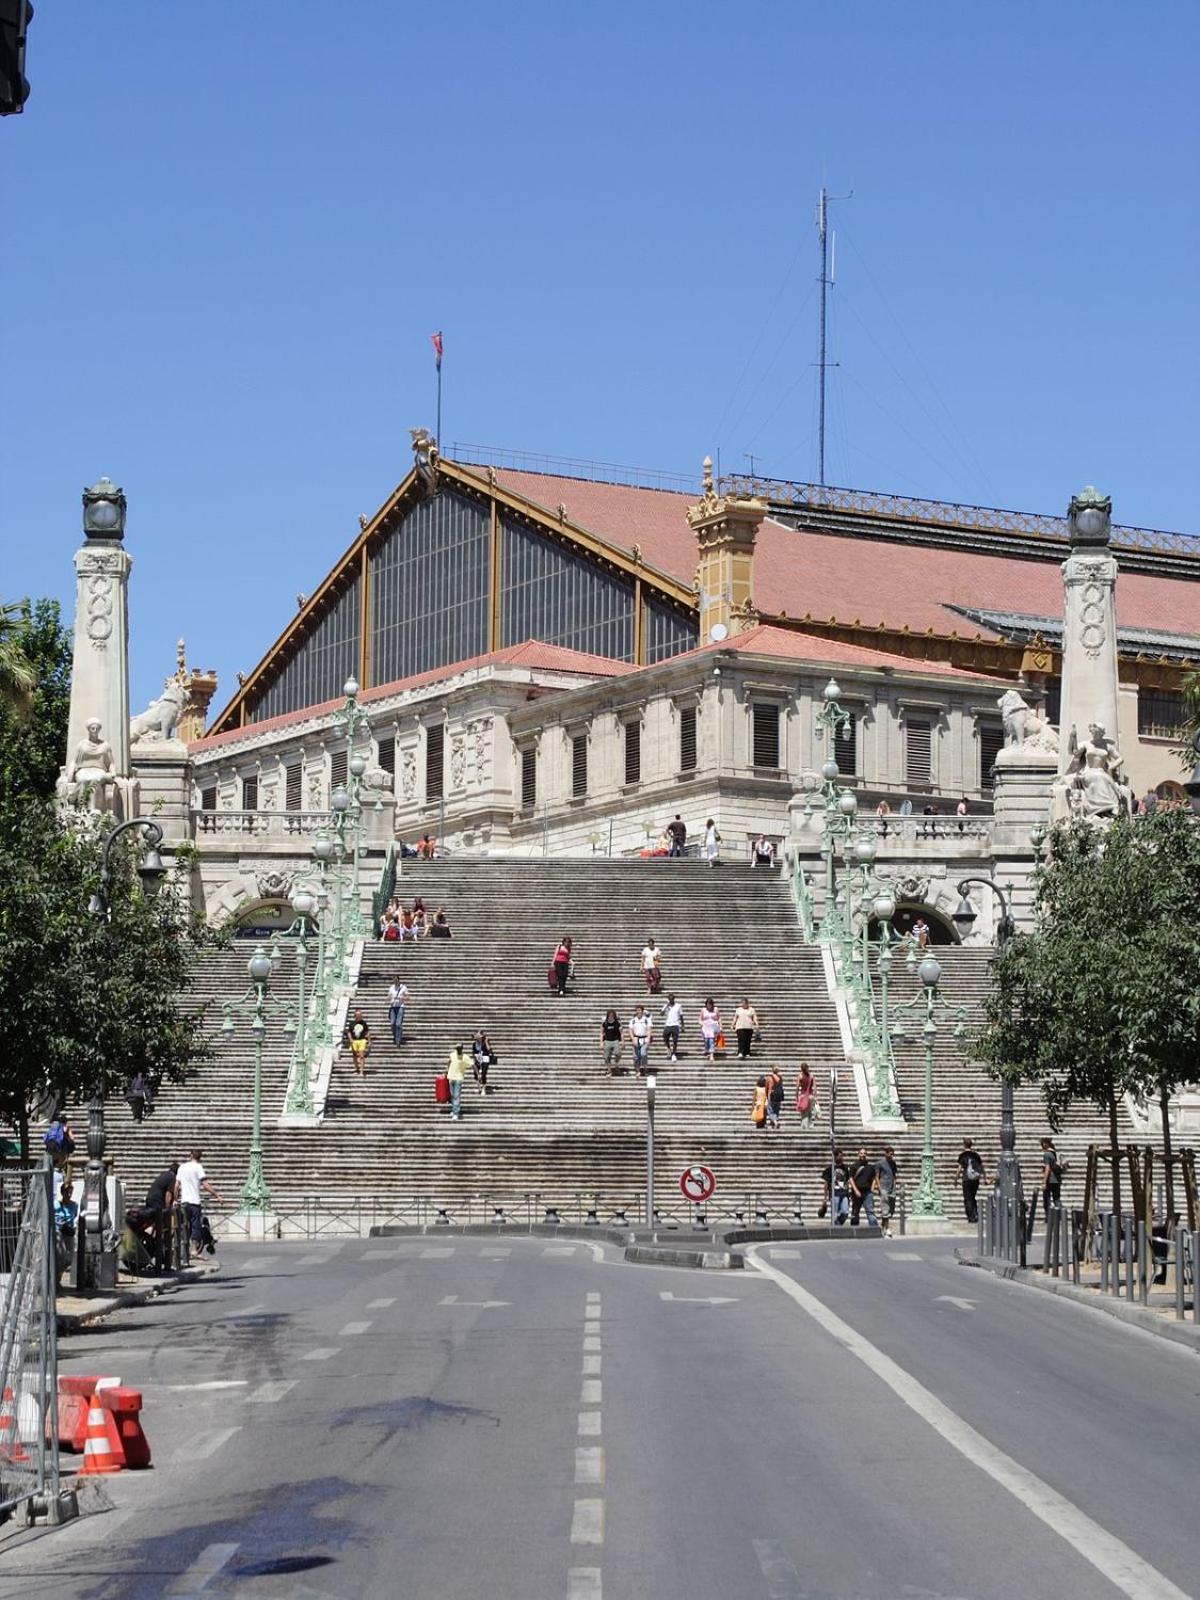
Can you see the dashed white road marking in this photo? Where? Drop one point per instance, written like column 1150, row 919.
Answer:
column 1123, row 1567
column 783, row 1581
column 589, row 1393
column 207, row 1444
column 275, row 1390
column 323, row 1354
column 583, row 1583
column 589, row 1463
column 559, row 1250
column 903, row 1255
column 591, row 1366
column 591, row 1342
column 476, row 1305
column 381, row 1305
column 353, row 1328
column 253, row 1266
column 587, row 1522
column 778, row 1253
column 591, row 1326
column 246, row 1311
column 589, row 1424
column 437, row 1252
column 847, row 1255
column 318, row 1260
column 379, row 1255
column 212, row 1383
column 495, row 1251
column 202, row 1571
column 593, row 1297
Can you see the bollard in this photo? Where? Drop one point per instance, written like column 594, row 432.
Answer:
column 552, row 1217
column 442, row 1220
column 619, row 1217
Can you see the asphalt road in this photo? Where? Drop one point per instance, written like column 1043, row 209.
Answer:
column 460, row 1417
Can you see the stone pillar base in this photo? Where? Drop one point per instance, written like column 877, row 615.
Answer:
column 929, row 1227
column 257, row 1227
column 163, row 771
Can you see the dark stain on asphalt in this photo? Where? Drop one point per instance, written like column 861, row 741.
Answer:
column 411, row 1412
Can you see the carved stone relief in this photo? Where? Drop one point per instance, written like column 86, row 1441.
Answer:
column 458, row 761
column 408, row 774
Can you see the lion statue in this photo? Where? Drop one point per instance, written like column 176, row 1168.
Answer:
column 160, row 717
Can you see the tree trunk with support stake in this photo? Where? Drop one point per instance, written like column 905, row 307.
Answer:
column 1115, row 1146
column 1164, row 1101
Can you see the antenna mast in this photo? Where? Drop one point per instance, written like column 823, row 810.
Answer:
column 826, row 283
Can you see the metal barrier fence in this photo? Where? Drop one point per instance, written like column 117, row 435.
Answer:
column 29, row 1474
column 1186, row 1244
column 1121, row 1245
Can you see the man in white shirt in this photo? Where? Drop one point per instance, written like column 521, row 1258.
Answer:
column 672, row 1015
column 652, row 966
column 189, row 1181
column 398, row 998
column 639, row 1034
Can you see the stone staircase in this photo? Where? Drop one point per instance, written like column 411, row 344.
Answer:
column 556, row 1126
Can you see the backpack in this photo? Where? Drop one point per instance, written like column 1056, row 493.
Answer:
column 57, row 1138
column 974, row 1167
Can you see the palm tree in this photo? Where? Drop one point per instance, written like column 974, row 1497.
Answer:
column 18, row 680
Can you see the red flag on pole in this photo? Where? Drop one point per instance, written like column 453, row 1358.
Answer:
column 437, row 345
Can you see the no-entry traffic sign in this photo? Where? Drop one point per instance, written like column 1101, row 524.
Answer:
column 697, row 1183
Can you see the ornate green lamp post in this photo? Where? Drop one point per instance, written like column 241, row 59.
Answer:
column 928, row 1202
column 299, row 1098
column 256, row 1196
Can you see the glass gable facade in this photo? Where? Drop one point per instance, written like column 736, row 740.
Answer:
column 322, row 664
column 552, row 594
column 668, row 632
column 429, row 588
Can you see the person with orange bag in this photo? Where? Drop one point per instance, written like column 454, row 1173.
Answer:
column 758, row 1112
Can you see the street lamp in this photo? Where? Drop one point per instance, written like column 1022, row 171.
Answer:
column 256, row 1196
column 833, row 1089
column 928, row 1202
column 651, row 1085
column 1009, row 1166
column 100, row 1258
column 299, row 1098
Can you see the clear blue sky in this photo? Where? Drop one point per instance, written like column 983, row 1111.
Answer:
column 230, row 228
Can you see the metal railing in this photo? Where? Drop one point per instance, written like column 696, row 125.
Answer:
column 1121, row 1245
column 1185, row 1245
column 486, row 455
column 29, row 1472
column 1001, row 1227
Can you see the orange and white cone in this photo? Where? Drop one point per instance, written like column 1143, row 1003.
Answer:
column 102, row 1450
column 11, row 1448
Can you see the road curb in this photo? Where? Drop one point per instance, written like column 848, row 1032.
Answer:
column 72, row 1321
column 650, row 1255
column 1142, row 1317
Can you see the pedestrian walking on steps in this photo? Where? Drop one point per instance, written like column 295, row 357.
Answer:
column 887, row 1170
column 677, row 833
column 758, row 1111
column 639, row 1035
column 969, row 1172
column 610, row 1042
column 358, row 1037
column 484, row 1058
column 710, row 1026
column 138, row 1095
column 398, row 998
column 1050, row 1188
column 774, row 1098
column 806, row 1096
column 456, row 1072
column 672, row 1015
column 864, row 1180
column 652, row 965
column 712, row 842
column 745, row 1026
column 562, row 964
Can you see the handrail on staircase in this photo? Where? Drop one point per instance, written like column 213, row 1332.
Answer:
column 802, row 896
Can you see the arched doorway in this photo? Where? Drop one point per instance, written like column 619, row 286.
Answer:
column 263, row 919
column 941, row 929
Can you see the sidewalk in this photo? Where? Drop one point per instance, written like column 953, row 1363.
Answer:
column 77, row 1308
column 1157, row 1317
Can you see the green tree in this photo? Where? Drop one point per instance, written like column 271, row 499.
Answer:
column 18, row 678
column 33, row 726
column 1103, row 998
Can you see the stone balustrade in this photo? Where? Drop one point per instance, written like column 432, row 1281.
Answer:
column 261, row 824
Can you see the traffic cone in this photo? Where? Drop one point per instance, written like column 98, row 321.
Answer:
column 11, row 1448
column 124, row 1405
column 102, row 1450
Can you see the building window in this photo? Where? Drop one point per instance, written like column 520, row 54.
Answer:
column 579, row 765
column 435, row 747
column 250, row 794
column 991, row 742
column 766, row 734
column 528, row 778
column 845, row 748
column 1160, row 713
column 918, row 752
column 387, row 755
column 338, row 769
column 687, row 739
column 633, row 752
column 208, row 798
column 293, row 780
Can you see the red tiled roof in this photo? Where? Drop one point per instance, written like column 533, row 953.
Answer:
column 533, row 653
column 793, row 645
column 804, row 573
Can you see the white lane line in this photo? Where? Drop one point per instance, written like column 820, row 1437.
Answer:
column 379, row 1255
column 589, row 1424
column 352, row 1328
column 213, row 1383
column 778, row 1253
column 559, row 1250
column 783, row 1581
column 381, row 1305
column 591, row 1326
column 268, row 1392
column 587, row 1522
column 315, row 1261
column 903, row 1255
column 591, row 1366
column 253, row 1266
column 324, row 1354
column 589, row 1394
column 583, row 1583
column 208, row 1443
column 1113, row 1559
column 591, row 1342
column 589, row 1463
column 246, row 1311
column 593, row 1295
column 494, row 1252
column 202, row 1571
column 437, row 1253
